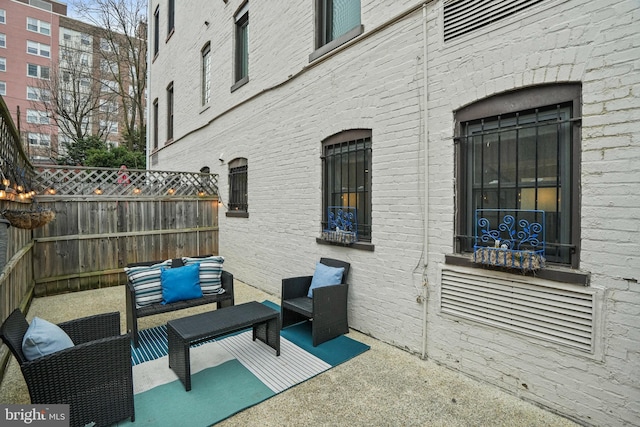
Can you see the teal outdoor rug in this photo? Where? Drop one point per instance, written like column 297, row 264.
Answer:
column 227, row 374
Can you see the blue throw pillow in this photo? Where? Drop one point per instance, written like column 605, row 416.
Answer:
column 325, row 276
column 179, row 284
column 44, row 338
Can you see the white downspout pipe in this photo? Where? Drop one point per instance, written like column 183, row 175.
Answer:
column 425, row 142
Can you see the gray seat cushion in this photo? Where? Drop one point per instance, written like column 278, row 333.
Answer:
column 302, row 305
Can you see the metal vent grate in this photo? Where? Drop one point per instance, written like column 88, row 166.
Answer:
column 464, row 16
column 559, row 315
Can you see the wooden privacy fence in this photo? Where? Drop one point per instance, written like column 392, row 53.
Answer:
column 91, row 240
column 148, row 215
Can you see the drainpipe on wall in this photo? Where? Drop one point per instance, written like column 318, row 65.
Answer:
column 425, row 141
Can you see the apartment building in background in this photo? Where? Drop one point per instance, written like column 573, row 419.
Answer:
column 414, row 116
column 47, row 57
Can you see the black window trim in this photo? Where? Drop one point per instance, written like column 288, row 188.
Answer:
column 171, row 19
column 156, row 32
column 156, row 111
column 206, row 49
column 240, row 18
column 170, row 112
column 238, row 163
column 339, row 138
column 521, row 100
column 321, row 47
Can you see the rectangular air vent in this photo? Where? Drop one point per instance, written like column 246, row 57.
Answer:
column 464, row 16
column 561, row 315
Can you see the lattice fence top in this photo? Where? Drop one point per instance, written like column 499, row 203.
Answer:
column 84, row 181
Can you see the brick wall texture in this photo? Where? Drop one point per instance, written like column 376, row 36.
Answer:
column 279, row 118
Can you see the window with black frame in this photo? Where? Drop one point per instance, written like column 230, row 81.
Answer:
column 336, row 22
column 155, row 124
column 520, row 158
column 238, row 186
column 170, row 112
column 171, row 17
column 242, row 45
column 206, row 74
column 156, row 31
column 346, row 165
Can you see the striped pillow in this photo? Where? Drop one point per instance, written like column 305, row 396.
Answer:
column 210, row 273
column 146, row 283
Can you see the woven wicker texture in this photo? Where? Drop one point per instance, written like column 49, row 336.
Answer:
column 225, row 299
column 29, row 220
column 94, row 377
column 199, row 327
column 328, row 308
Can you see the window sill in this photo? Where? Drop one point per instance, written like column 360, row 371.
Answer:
column 237, row 85
column 336, row 43
column 363, row 246
column 554, row 273
column 173, row 30
column 237, row 214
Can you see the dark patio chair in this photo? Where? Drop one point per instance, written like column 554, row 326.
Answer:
column 94, row 376
column 327, row 309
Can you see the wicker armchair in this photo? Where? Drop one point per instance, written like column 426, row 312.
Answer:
column 94, row 376
column 327, row 308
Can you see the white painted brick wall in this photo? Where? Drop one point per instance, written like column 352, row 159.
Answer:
column 378, row 84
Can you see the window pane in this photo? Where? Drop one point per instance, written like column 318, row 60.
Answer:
column 347, row 181
column 346, row 15
column 522, row 162
column 238, row 185
column 242, row 47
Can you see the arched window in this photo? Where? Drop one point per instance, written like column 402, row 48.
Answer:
column 206, row 74
column 238, row 187
column 346, row 182
column 520, row 151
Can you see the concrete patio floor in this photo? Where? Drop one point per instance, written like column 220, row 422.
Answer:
column 385, row 386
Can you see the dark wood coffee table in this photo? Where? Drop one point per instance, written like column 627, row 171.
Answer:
column 184, row 332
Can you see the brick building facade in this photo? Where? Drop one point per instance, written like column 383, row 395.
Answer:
column 434, row 109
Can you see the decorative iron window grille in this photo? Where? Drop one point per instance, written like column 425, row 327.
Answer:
column 518, row 241
column 238, row 188
column 346, row 166
column 521, row 160
column 342, row 225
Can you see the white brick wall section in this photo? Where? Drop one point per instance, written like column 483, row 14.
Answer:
column 377, row 84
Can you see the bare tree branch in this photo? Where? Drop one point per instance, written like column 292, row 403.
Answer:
column 123, row 48
column 72, row 97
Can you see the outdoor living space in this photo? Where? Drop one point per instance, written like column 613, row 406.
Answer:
column 74, row 267
column 382, row 386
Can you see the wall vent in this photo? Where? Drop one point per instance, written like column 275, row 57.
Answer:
column 562, row 315
column 463, row 16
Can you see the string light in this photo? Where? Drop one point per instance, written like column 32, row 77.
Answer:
column 136, row 190
column 98, row 191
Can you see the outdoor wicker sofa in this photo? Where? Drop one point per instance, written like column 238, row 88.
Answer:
column 134, row 312
column 94, row 377
column 327, row 308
